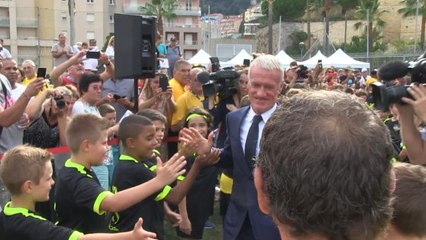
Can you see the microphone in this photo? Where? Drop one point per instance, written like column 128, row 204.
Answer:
column 203, row 77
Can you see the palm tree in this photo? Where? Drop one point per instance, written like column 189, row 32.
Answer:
column 347, row 5
column 376, row 24
column 160, row 9
column 324, row 6
column 410, row 10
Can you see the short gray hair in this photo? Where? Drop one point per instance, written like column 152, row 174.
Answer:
column 267, row 62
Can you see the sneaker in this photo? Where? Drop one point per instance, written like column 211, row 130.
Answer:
column 209, row 224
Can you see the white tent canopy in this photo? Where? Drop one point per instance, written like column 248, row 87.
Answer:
column 340, row 59
column 284, row 58
column 238, row 59
column 313, row 61
column 202, row 57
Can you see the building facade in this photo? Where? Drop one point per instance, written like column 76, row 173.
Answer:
column 186, row 27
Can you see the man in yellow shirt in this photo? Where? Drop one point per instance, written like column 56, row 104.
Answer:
column 192, row 98
column 372, row 79
column 29, row 72
column 181, row 78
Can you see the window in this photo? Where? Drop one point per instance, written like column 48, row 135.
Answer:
column 188, row 4
column 90, row 17
column 64, row 15
column 111, row 2
column 90, row 35
column 90, row 1
column 111, row 18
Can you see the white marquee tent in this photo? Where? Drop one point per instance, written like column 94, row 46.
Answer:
column 340, row 59
column 284, row 58
column 202, row 57
column 238, row 59
column 313, row 61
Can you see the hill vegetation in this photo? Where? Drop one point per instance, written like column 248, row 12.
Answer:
column 226, row 7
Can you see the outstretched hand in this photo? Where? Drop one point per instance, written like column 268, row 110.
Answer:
column 140, row 234
column 209, row 159
column 193, row 138
column 173, row 168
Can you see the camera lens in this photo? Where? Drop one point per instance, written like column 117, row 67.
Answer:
column 60, row 103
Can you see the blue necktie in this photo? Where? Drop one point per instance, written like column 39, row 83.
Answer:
column 251, row 141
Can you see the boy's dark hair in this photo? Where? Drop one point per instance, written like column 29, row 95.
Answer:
column 132, row 126
column 106, row 108
column 86, row 79
column 84, row 127
column 199, row 111
column 327, row 177
column 23, row 163
column 153, row 115
column 409, row 215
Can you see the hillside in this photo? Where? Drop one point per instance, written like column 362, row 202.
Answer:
column 226, row 7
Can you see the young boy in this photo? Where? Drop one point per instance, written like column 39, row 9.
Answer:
column 80, row 200
column 30, row 184
column 137, row 135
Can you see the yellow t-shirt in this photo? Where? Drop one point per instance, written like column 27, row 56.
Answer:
column 370, row 81
column 184, row 105
column 27, row 81
column 177, row 88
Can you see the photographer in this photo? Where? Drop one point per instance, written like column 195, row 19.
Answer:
column 416, row 146
column 410, row 102
column 48, row 130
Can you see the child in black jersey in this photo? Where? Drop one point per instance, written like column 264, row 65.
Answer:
column 137, row 135
column 198, row 203
column 27, row 173
column 81, row 202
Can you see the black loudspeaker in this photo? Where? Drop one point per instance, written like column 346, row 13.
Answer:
column 134, row 46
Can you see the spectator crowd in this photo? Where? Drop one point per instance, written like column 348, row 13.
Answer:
column 297, row 153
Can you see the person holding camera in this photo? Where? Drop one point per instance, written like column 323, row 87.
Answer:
column 15, row 105
column 157, row 96
column 48, row 130
column 411, row 137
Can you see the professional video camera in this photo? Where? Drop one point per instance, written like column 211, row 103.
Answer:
column 223, row 83
column 388, row 93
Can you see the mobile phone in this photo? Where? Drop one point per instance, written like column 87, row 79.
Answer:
column 41, row 72
column 164, row 82
column 246, row 62
column 95, row 55
column 116, row 97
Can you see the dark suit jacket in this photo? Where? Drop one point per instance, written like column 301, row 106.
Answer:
column 244, row 195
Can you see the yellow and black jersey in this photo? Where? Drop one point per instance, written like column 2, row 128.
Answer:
column 79, row 196
column 23, row 224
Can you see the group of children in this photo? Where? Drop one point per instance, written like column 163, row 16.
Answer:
column 141, row 183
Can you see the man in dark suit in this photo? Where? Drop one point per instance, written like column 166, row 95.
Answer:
column 244, row 220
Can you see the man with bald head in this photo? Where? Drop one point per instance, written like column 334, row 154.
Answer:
column 194, row 97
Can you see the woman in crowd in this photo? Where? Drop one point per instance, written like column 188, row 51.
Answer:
column 153, row 96
column 49, row 129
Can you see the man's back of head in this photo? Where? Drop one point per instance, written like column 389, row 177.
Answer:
column 324, row 168
column 409, row 216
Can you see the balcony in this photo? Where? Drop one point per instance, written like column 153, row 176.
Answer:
column 193, row 11
column 20, row 23
column 182, row 25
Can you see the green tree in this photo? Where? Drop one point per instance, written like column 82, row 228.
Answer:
column 160, row 9
column 376, row 24
column 410, row 10
column 287, row 9
column 346, row 6
column 323, row 7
